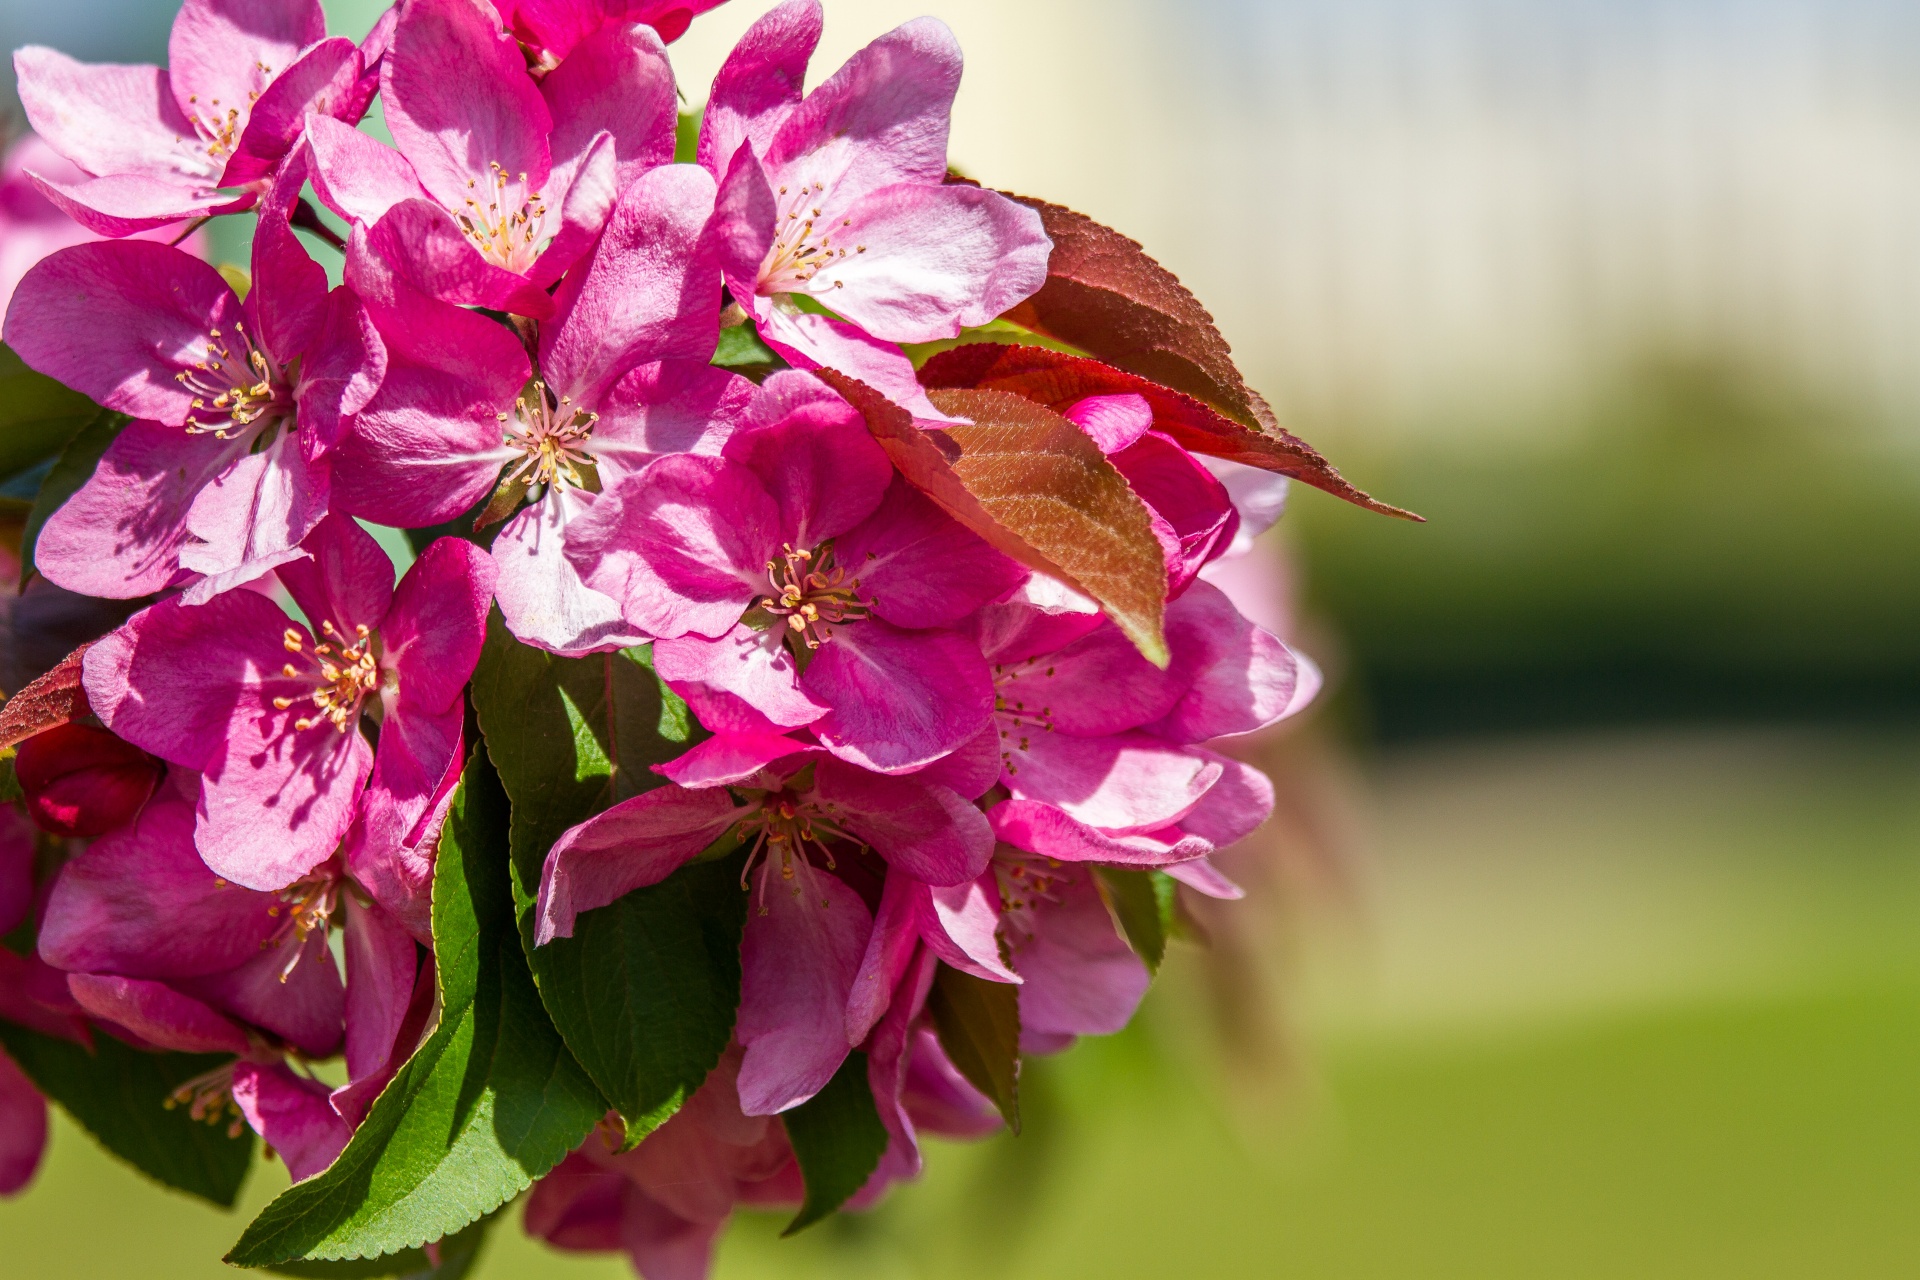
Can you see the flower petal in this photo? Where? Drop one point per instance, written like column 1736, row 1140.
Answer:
column 752, row 666
column 356, row 176
column 920, row 566
column 253, row 517
column 1080, row 977
column 636, row 843
column 813, row 452
column 345, row 585
column 542, row 598
column 617, row 81
column 437, row 622
column 927, row 831
column 108, row 119
column 23, row 1128
column 899, row 699
column 760, row 83
column 157, row 1014
column 1125, row 784
column 292, row 1115
column 223, row 54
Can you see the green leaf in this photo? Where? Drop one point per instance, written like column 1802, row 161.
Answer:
column 458, row 1254
column 1143, row 904
column 686, row 137
column 75, row 467
column 645, row 991
column 978, row 1023
column 491, row 1101
column 742, row 351
column 119, row 1094
column 37, row 415
column 838, row 1138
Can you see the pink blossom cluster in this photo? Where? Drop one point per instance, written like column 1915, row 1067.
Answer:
column 928, row 746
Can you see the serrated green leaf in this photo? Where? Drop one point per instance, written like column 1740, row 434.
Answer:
column 1143, row 905
column 838, row 1138
column 458, row 1255
column 37, row 415
column 491, row 1101
column 645, row 991
column 978, row 1023
column 119, row 1094
column 75, row 467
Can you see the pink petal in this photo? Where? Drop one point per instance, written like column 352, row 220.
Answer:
column 1080, row 976
column 813, row 452
column 120, row 536
column 111, row 119
column 1247, row 678
column 542, row 598
column 927, row 831
column 302, row 1005
column 809, row 341
column 921, row 567
column 803, row 946
column 16, row 869
column 890, row 948
column 592, row 189
column 726, row 759
column 760, row 83
column 888, row 1053
column 23, row 1128
column 671, row 406
column 1043, row 829
column 961, row 925
column 1195, row 507
column 616, row 81
column 937, row 259
column 938, row 1097
column 683, row 546
column 140, row 902
column 222, row 54
column 289, row 305
column 459, row 100
column 356, row 176
column 341, row 374
column 128, row 204
column 157, row 1013
column 1094, row 686
column 1202, row 877
column 1125, row 784
column 645, row 295
column 347, row 583
column 279, row 804
column 437, row 623
column 321, row 80
column 884, row 113
column 753, row 666
column 292, row 1114
column 440, row 261
column 899, row 699
column 253, row 517
column 636, row 843
column 971, row 770
column 1112, row 422
column 382, row 966
column 1234, row 807
column 745, row 215
column 418, row 748
column 118, row 320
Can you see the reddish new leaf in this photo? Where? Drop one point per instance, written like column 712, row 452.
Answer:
column 55, row 698
column 1032, row 484
column 1058, row 380
column 1105, row 296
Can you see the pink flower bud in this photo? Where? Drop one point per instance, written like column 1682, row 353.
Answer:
column 82, row 781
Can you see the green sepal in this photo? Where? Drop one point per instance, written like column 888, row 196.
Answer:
column 120, row 1095
column 838, row 1138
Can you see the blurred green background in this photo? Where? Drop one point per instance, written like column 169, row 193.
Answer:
column 1588, row 941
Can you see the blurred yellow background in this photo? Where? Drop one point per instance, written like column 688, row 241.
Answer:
column 1589, row 944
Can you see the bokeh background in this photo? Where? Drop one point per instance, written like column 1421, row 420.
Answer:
column 1587, row 943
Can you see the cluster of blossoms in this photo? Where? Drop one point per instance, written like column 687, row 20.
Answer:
column 939, row 623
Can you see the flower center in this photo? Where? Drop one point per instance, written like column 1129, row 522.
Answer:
column 1025, row 880
column 553, row 438
column 308, row 906
column 209, row 1099
column 1017, row 721
column 344, row 675
column 233, row 390
column 803, row 242
column 786, row 827
column 813, row 594
column 505, row 221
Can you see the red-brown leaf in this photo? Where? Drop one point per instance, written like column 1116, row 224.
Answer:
column 1034, row 486
column 53, row 699
column 1058, row 380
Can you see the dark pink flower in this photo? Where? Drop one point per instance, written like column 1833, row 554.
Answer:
column 206, row 136
column 623, row 377
column 550, row 30
column 795, row 580
column 499, row 183
column 158, row 947
column 83, row 781
column 269, row 712
column 236, row 404
column 23, row 1128
column 841, row 198
column 807, row 929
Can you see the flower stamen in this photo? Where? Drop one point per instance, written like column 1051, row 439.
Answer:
column 813, row 594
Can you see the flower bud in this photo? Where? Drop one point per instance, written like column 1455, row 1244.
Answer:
column 82, row 781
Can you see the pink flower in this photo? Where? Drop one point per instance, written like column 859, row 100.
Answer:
column 550, row 30
column 842, row 199
column 157, row 946
column 794, row 580
column 236, row 404
column 269, row 712
column 83, row 781
column 623, row 377
column 806, row 812
column 499, row 184
column 206, row 136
